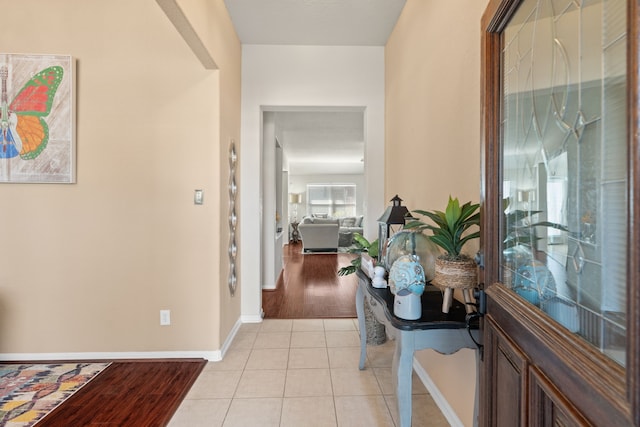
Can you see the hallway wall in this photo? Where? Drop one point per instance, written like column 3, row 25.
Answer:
column 87, row 267
column 432, row 88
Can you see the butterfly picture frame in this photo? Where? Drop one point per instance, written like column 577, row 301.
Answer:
column 37, row 119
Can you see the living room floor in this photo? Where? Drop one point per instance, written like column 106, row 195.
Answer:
column 301, row 372
column 309, row 287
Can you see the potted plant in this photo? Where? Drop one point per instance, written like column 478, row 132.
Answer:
column 451, row 231
column 360, row 246
column 376, row 334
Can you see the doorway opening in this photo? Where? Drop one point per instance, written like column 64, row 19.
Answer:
column 307, row 153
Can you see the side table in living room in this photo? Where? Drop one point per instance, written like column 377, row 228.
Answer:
column 345, row 239
column 295, row 234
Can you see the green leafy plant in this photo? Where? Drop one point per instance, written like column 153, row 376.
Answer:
column 451, row 226
column 361, row 245
column 520, row 229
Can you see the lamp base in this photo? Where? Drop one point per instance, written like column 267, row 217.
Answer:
column 408, row 307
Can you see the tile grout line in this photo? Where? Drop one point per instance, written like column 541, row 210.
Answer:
column 333, row 393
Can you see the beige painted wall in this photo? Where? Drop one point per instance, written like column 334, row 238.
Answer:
column 432, row 66
column 211, row 21
column 432, row 138
column 87, row 267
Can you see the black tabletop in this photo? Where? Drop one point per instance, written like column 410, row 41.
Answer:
column 432, row 315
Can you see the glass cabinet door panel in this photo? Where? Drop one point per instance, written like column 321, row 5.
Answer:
column 564, row 165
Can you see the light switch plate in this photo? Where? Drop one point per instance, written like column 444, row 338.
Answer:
column 165, row 317
column 198, row 197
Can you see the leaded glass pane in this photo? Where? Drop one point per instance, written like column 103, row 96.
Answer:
column 564, row 160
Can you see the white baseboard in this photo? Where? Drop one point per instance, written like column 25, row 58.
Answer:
column 227, row 343
column 252, row 318
column 212, row 356
column 437, row 396
column 208, row 355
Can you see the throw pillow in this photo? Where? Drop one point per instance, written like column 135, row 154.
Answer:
column 349, row 221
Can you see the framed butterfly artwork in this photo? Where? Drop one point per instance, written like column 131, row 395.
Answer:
column 37, row 119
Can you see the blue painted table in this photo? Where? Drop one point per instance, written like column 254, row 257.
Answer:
column 445, row 333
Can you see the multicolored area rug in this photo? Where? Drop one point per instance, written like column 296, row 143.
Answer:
column 28, row 392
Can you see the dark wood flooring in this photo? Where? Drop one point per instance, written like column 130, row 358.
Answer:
column 309, row 287
column 140, row 393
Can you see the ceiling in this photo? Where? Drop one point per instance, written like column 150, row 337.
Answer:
column 322, row 142
column 315, row 22
column 318, row 142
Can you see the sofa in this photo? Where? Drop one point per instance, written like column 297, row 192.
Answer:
column 319, row 235
column 327, row 234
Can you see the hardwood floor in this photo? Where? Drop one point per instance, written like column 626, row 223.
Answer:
column 309, row 287
column 141, row 393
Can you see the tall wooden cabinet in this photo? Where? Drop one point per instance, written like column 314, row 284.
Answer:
column 560, row 245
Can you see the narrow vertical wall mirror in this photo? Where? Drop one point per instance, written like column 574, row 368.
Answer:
column 233, row 219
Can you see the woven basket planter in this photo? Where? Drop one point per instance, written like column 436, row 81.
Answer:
column 458, row 274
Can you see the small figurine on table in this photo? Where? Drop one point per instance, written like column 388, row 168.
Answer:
column 378, row 277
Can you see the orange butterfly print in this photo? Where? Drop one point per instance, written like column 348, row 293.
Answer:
column 23, row 129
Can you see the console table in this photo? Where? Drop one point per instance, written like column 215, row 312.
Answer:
column 445, row 333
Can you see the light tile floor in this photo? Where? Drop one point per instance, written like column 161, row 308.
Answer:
column 301, row 373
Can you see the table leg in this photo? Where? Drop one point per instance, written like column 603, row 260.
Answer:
column 402, row 372
column 447, row 299
column 468, row 302
column 361, row 325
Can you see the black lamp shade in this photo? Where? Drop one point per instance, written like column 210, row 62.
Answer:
column 395, row 214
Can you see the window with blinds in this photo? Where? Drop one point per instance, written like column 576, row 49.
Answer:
column 333, row 200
